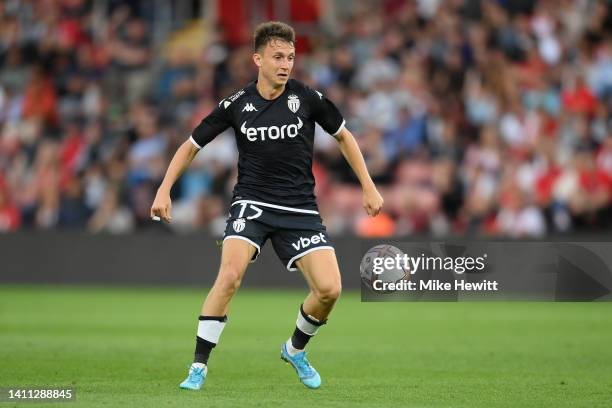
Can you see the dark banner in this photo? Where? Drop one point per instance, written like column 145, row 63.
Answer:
column 146, row 259
column 443, row 271
column 393, row 270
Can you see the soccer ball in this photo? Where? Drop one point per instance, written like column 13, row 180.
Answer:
column 366, row 268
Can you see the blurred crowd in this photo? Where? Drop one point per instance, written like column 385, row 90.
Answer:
column 489, row 118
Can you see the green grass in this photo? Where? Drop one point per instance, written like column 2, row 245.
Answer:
column 131, row 347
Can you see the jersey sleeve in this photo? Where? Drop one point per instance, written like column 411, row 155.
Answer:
column 211, row 126
column 325, row 113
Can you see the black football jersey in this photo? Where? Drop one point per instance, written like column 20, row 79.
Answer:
column 275, row 141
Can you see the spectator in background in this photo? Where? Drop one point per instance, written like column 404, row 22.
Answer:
column 146, row 155
column 40, row 100
column 479, row 117
column 73, row 213
column 111, row 216
column 10, row 218
column 129, row 50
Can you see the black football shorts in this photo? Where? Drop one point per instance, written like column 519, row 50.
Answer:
column 293, row 234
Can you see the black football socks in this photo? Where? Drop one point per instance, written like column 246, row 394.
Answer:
column 306, row 327
column 209, row 332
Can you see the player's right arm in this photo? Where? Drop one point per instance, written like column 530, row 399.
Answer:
column 215, row 123
column 162, row 205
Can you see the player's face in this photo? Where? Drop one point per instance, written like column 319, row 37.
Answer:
column 275, row 61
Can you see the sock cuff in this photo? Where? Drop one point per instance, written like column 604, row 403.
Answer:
column 311, row 319
column 308, row 324
column 211, row 327
column 217, row 318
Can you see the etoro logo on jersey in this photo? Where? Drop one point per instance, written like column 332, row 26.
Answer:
column 271, row 132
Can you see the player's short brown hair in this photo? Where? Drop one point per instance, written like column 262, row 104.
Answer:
column 265, row 32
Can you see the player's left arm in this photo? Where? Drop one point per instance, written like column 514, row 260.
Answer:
column 372, row 200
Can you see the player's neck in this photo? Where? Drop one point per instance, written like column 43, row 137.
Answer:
column 267, row 90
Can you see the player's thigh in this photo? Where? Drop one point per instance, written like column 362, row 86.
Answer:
column 308, row 249
column 321, row 271
column 235, row 257
column 242, row 240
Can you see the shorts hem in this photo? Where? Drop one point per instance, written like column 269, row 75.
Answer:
column 247, row 240
column 298, row 256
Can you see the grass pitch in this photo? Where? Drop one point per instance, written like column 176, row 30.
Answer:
column 131, row 347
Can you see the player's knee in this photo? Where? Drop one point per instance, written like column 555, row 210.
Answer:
column 228, row 283
column 230, row 277
column 328, row 294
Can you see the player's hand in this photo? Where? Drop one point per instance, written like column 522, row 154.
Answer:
column 162, row 206
column 372, row 201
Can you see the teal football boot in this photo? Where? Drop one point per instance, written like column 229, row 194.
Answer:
column 308, row 375
column 195, row 379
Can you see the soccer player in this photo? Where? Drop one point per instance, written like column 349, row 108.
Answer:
column 274, row 122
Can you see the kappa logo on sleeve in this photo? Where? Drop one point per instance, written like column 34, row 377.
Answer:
column 249, row 108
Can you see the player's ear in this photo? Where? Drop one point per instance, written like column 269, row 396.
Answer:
column 257, row 59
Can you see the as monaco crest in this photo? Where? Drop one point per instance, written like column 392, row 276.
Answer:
column 294, row 103
column 238, row 224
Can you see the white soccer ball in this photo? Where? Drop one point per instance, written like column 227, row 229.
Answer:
column 374, row 260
